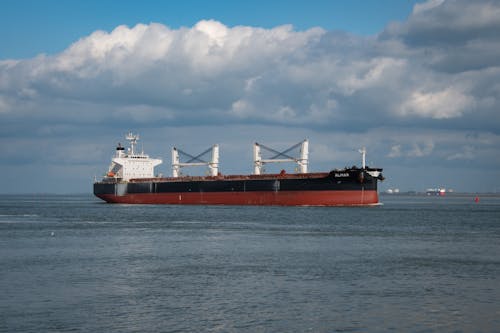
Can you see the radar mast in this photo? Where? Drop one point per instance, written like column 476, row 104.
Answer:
column 132, row 138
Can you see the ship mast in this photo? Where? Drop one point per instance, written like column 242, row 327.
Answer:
column 132, row 138
column 363, row 154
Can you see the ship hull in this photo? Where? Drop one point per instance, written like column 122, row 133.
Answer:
column 347, row 188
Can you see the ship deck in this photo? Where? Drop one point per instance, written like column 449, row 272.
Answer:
column 234, row 177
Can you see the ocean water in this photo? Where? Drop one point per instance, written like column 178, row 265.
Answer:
column 414, row 264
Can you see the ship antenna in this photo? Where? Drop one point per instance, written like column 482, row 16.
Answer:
column 133, row 141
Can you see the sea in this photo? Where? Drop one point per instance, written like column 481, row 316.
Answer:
column 72, row 263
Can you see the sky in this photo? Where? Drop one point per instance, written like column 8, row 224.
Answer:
column 415, row 82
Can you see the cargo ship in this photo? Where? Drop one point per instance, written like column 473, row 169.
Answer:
column 131, row 180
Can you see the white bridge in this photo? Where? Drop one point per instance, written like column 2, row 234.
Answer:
column 126, row 165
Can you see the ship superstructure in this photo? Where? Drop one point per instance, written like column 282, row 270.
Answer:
column 129, row 164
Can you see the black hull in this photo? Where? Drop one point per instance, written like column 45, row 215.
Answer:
column 294, row 186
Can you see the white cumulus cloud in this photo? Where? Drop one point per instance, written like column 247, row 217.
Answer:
column 447, row 103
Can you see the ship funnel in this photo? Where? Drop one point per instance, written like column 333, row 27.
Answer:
column 120, row 151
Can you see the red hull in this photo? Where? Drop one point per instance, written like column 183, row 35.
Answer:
column 281, row 198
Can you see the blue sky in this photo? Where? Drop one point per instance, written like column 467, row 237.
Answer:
column 32, row 27
column 417, row 83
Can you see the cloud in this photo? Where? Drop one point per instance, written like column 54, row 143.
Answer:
column 448, row 103
column 421, row 90
column 421, row 8
column 439, row 22
column 419, row 151
column 451, row 35
column 395, row 151
column 213, row 72
column 466, row 154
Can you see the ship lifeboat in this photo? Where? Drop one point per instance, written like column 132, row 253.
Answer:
column 111, row 174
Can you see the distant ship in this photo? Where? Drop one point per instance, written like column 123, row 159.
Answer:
column 131, row 180
column 436, row 191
